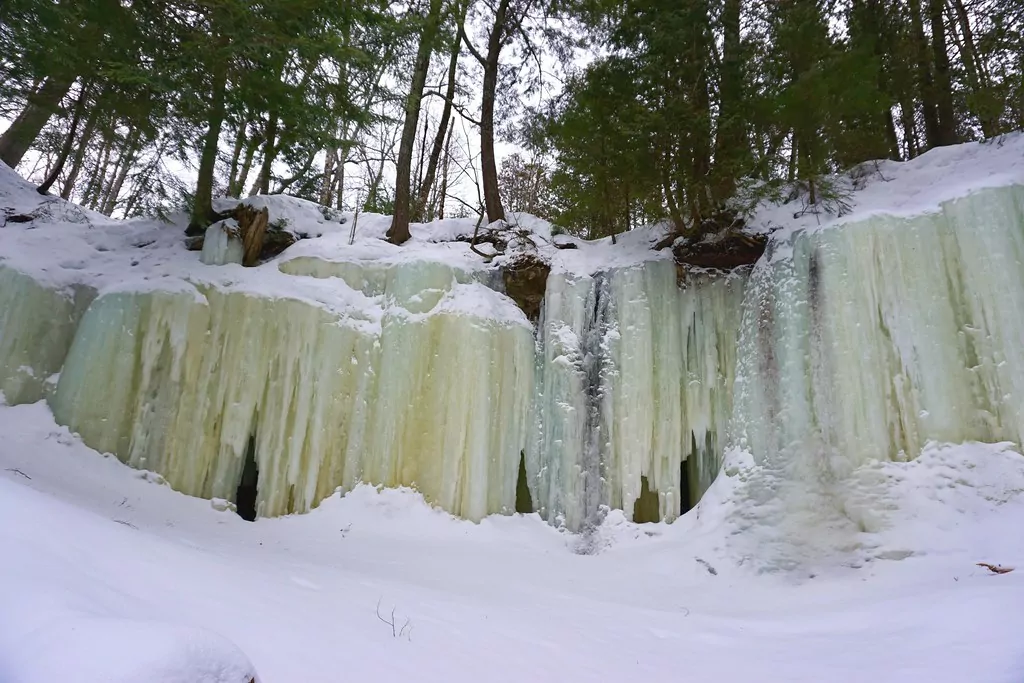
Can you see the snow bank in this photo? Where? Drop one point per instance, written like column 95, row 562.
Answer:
column 106, row 650
column 952, row 498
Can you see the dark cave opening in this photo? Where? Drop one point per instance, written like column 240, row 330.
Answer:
column 248, row 484
column 524, row 501
column 686, row 501
column 646, row 508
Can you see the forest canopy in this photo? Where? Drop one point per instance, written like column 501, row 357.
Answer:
column 618, row 113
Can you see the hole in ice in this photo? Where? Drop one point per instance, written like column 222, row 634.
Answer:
column 686, row 498
column 248, row 484
column 524, row 502
column 646, row 508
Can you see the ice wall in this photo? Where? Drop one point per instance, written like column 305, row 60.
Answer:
column 37, row 324
column 181, row 381
column 866, row 341
column 843, row 345
column 634, row 378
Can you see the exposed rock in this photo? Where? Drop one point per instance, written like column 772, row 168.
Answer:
column 731, row 249
column 526, row 279
column 719, row 243
column 276, row 240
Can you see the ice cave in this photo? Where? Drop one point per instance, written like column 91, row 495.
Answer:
column 627, row 393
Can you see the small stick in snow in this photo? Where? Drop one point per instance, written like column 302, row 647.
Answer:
column 17, row 471
column 395, row 632
column 996, row 568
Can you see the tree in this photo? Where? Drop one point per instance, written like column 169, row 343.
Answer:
column 398, row 233
column 525, row 186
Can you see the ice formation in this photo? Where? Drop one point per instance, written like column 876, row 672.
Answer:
column 634, row 379
column 866, row 341
column 36, row 329
column 844, row 345
column 221, row 244
column 187, row 382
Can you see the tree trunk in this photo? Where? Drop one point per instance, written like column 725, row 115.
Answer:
column 252, row 224
column 946, row 130
column 415, row 187
column 69, row 142
column 202, row 207
column 909, row 127
column 99, row 173
column 442, row 133
column 238, row 183
column 731, row 146
column 488, row 163
column 926, row 83
column 974, row 66
column 79, row 161
column 18, row 138
column 891, row 137
column 127, row 159
column 339, row 186
column 437, row 209
column 327, row 187
column 236, row 155
column 674, row 212
column 262, row 184
column 399, row 233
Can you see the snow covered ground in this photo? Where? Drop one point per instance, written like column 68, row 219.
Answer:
column 108, row 576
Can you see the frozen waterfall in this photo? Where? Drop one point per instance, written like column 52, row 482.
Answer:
column 866, row 341
column 181, row 382
column 634, row 379
column 842, row 345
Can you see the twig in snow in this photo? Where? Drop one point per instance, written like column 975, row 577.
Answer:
column 995, row 568
column 395, row 631
column 707, row 565
column 355, row 221
column 17, row 471
column 127, row 524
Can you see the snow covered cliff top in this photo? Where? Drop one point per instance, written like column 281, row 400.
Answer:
column 66, row 245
